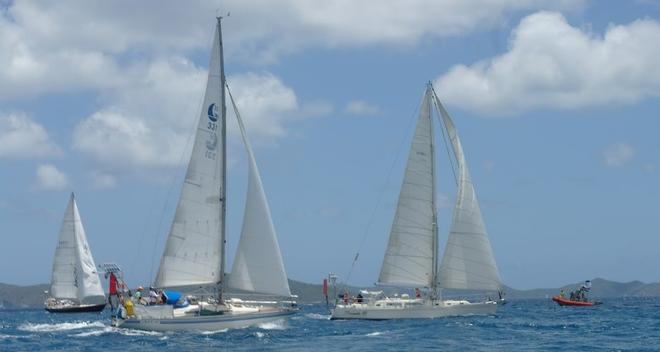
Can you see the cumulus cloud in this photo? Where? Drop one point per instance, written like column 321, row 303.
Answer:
column 553, row 64
column 20, row 137
column 136, row 63
column 49, row 178
column 150, row 123
column 102, row 180
column 41, row 51
column 618, row 154
column 360, row 107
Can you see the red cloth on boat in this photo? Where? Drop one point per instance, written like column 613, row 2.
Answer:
column 113, row 284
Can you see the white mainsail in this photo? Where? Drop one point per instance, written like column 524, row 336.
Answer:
column 74, row 272
column 193, row 253
column 409, row 259
column 468, row 261
column 64, row 280
column 258, row 265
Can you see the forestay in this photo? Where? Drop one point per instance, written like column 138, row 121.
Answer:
column 409, row 257
column 468, row 261
column 193, row 250
column 258, row 265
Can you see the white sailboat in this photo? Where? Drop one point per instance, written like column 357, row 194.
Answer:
column 411, row 259
column 75, row 285
column 194, row 255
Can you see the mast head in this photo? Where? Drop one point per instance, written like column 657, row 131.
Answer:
column 219, row 17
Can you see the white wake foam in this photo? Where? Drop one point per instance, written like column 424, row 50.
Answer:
column 105, row 330
column 120, row 331
column 7, row 337
column 213, row 332
column 60, row 326
column 318, row 316
column 375, row 333
column 273, row 325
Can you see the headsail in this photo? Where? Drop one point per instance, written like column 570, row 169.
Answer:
column 258, row 265
column 74, row 272
column 409, row 257
column 89, row 285
column 193, row 253
column 468, row 261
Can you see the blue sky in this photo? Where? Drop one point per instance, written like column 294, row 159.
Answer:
column 556, row 103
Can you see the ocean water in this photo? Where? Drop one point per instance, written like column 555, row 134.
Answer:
column 631, row 324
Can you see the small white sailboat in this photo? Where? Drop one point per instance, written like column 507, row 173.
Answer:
column 75, row 285
column 411, row 259
column 194, row 256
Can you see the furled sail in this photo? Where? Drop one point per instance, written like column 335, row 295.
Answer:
column 193, row 250
column 468, row 261
column 258, row 265
column 409, row 256
column 74, row 272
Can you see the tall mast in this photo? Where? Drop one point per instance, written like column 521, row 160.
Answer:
column 223, row 189
column 434, row 278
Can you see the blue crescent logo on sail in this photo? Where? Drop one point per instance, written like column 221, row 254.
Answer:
column 213, row 112
column 212, row 143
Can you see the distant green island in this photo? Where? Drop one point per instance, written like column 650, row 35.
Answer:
column 32, row 296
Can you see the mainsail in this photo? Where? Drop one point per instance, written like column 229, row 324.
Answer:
column 258, row 265
column 193, row 253
column 468, row 261
column 74, row 272
column 409, row 259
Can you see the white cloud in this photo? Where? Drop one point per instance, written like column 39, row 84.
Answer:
column 20, row 137
column 618, row 154
column 149, row 123
column 46, row 47
column 360, row 107
column 553, row 64
column 267, row 105
column 49, row 178
column 102, row 180
column 146, row 123
column 135, row 62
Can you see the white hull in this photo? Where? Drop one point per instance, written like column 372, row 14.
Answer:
column 227, row 320
column 419, row 310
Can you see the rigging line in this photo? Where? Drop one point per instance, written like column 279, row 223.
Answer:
column 248, row 147
column 445, row 138
column 380, row 197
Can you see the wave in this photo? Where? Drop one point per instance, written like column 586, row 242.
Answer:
column 318, row 316
column 103, row 331
column 213, row 332
column 375, row 333
column 119, row 331
column 60, row 326
column 273, row 325
column 259, row 334
column 8, row 337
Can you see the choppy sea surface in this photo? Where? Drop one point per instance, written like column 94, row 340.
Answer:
column 631, row 324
